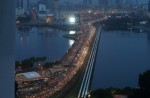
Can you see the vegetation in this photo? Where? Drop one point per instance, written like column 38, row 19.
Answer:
column 142, row 92
column 24, row 19
column 117, row 23
column 144, row 83
column 50, row 64
column 28, row 64
column 120, row 22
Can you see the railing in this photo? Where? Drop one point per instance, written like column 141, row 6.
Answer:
column 83, row 92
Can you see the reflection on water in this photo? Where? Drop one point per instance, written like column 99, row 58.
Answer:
column 121, row 57
column 41, row 42
column 71, row 42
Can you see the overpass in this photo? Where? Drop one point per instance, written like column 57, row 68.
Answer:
column 84, row 88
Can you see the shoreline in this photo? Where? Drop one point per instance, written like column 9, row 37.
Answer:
column 75, row 83
column 75, row 68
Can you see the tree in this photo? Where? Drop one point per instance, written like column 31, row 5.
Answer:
column 144, row 80
column 16, row 88
column 144, row 83
column 17, row 65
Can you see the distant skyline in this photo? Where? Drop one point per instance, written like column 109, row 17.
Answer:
column 96, row 1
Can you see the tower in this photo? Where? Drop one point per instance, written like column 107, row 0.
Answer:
column 118, row 3
column 56, row 9
column 25, row 4
column 103, row 3
column 18, row 3
column 49, row 4
column 90, row 1
column 87, row 2
column 137, row 2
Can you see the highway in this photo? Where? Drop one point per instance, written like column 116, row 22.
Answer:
column 83, row 92
column 57, row 77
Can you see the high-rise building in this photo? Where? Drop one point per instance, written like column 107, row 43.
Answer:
column 118, row 3
column 131, row 2
column 25, row 4
column 103, row 3
column 87, row 2
column 90, row 1
column 137, row 2
column 56, row 9
column 49, row 4
column 22, row 4
column 18, row 3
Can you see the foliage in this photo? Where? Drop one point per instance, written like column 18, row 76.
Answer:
column 28, row 63
column 116, row 23
column 144, row 83
column 142, row 92
column 50, row 64
column 24, row 19
column 144, row 80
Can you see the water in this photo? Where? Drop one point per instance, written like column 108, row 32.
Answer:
column 122, row 56
column 42, row 42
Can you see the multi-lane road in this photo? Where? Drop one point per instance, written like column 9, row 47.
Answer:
column 83, row 92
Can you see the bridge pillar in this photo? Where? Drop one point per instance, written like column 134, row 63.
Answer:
column 7, row 48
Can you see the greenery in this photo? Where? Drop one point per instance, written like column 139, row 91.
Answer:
column 50, row 64
column 116, row 23
column 24, row 19
column 144, row 83
column 119, row 22
column 29, row 63
column 142, row 92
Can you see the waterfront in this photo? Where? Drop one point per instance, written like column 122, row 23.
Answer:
column 42, row 42
column 56, row 77
column 121, row 57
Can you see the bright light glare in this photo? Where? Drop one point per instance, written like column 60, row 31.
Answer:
column 72, row 19
column 72, row 32
column 71, row 42
column 89, row 11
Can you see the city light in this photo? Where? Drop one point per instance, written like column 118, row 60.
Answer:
column 89, row 11
column 71, row 42
column 72, row 32
column 72, row 20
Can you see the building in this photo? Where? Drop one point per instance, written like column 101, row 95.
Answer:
column 19, row 12
column 49, row 4
column 118, row 3
column 120, row 96
column 27, row 76
column 22, row 4
column 136, row 2
column 42, row 11
column 25, row 4
column 103, row 4
column 87, row 2
column 56, row 9
column 18, row 4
